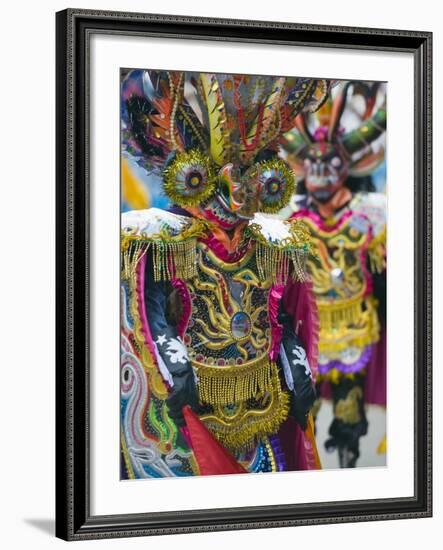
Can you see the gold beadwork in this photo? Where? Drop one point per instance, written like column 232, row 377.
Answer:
column 347, row 315
column 215, row 332
column 377, row 253
column 173, row 256
column 347, row 324
column 348, row 410
column 224, row 385
column 271, row 454
column 241, row 430
column 338, row 312
column 274, row 260
column 174, row 183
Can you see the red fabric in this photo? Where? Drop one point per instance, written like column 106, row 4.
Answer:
column 299, row 302
column 212, row 458
column 299, row 447
column 375, row 384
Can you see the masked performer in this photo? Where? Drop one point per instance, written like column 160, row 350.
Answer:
column 347, row 225
column 219, row 328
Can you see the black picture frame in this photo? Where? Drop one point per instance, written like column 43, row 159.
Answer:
column 74, row 28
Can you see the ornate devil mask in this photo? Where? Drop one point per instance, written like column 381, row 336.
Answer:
column 215, row 138
column 323, row 154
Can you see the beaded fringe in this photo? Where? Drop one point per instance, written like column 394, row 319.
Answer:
column 377, row 253
column 227, row 385
column 171, row 259
column 349, row 329
column 244, row 436
column 333, row 315
column 275, row 263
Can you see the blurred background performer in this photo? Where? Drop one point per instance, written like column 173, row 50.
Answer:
column 334, row 153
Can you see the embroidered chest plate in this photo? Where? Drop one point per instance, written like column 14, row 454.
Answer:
column 229, row 323
column 339, row 271
column 228, row 338
column 341, row 283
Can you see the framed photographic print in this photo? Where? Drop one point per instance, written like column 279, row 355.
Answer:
column 243, row 274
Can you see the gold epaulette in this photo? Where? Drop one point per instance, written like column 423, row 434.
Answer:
column 283, row 253
column 173, row 249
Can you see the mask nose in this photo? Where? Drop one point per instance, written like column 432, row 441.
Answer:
column 230, row 189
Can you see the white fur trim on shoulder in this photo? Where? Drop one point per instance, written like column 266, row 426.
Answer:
column 273, row 229
column 373, row 206
column 151, row 221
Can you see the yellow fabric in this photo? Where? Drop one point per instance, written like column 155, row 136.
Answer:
column 133, row 191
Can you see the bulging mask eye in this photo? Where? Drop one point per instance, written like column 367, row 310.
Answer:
column 276, row 185
column 190, row 178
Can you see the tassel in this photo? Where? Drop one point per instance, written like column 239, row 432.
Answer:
column 228, row 385
column 334, row 315
column 275, row 259
column 243, row 434
column 173, row 255
column 172, row 260
column 132, row 253
column 350, row 324
column 275, row 263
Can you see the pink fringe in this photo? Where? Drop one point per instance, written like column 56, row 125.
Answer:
column 319, row 221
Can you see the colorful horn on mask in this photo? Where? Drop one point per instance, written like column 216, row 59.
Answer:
column 365, row 134
column 338, row 106
column 217, row 120
column 302, row 127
